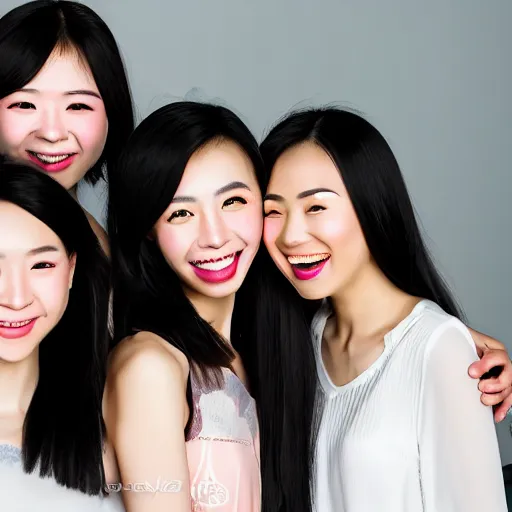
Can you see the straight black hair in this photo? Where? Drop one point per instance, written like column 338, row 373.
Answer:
column 378, row 192
column 148, row 294
column 376, row 187
column 30, row 33
column 64, row 430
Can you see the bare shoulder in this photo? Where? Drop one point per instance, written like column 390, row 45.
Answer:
column 146, row 356
column 144, row 372
column 99, row 232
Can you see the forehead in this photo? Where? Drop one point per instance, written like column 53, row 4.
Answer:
column 304, row 167
column 66, row 70
column 215, row 165
column 20, row 231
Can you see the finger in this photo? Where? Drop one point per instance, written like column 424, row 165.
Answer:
column 495, row 385
column 494, row 398
column 501, row 411
column 490, row 359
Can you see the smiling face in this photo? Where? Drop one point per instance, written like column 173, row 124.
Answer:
column 211, row 231
column 311, row 230
column 57, row 122
column 35, row 277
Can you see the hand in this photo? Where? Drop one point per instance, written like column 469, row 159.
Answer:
column 495, row 373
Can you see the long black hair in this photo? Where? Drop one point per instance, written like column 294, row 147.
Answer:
column 63, row 430
column 376, row 187
column 378, row 192
column 31, row 32
column 149, row 296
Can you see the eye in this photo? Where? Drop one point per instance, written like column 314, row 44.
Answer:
column 79, row 106
column 23, row 105
column 43, row 265
column 271, row 213
column 234, row 201
column 179, row 215
column 315, row 208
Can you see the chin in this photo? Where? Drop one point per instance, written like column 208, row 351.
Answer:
column 311, row 290
column 311, row 294
column 219, row 290
column 15, row 354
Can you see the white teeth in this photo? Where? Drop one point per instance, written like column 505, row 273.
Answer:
column 14, row 324
column 308, row 258
column 52, row 159
column 216, row 265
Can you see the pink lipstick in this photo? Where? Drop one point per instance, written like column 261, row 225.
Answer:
column 217, row 270
column 52, row 163
column 13, row 330
column 309, row 270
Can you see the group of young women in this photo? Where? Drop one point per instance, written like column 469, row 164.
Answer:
column 179, row 363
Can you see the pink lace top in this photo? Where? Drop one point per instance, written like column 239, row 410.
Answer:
column 223, row 448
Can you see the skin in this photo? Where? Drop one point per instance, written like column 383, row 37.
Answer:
column 147, row 376
column 59, row 111
column 310, row 224
column 36, row 274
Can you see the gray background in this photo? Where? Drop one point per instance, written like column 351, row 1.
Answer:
column 434, row 77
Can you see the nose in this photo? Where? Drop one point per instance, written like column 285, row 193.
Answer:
column 15, row 292
column 52, row 127
column 213, row 231
column 294, row 231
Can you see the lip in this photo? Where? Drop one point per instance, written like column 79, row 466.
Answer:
column 12, row 333
column 304, row 274
column 48, row 167
column 218, row 276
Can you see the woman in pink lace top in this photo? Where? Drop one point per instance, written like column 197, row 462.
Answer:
column 185, row 224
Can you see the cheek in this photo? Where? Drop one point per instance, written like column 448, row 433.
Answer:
column 54, row 293
column 91, row 132
column 174, row 243
column 247, row 224
column 271, row 231
column 13, row 130
column 343, row 235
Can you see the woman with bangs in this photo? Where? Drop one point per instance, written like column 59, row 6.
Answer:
column 65, row 104
column 54, row 290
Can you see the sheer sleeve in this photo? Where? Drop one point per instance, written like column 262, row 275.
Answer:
column 460, row 465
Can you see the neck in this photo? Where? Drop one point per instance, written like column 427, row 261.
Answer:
column 74, row 193
column 369, row 306
column 18, row 382
column 216, row 311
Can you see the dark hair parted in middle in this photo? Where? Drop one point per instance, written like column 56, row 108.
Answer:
column 374, row 182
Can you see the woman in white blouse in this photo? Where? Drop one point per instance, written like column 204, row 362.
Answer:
column 402, row 427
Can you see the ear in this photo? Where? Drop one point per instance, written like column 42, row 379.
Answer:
column 72, row 266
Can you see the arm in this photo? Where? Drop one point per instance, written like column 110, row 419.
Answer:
column 497, row 387
column 460, row 463
column 146, row 419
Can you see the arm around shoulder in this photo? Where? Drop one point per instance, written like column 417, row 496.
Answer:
column 459, row 457
column 146, row 413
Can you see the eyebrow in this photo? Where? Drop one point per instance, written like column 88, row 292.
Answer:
column 38, row 250
column 301, row 195
column 85, row 92
column 226, row 188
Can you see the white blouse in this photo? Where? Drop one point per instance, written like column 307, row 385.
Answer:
column 23, row 492
column 410, row 433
